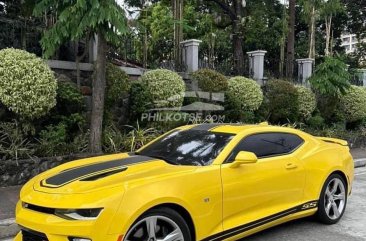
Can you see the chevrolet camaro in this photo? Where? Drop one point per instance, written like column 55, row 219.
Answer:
column 197, row 182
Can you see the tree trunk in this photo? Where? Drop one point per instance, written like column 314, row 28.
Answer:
column 99, row 84
column 312, row 34
column 328, row 27
column 238, row 39
column 291, row 40
column 238, row 51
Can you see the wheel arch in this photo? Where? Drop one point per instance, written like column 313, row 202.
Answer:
column 339, row 172
column 181, row 211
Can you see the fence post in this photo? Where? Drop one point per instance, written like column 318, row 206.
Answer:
column 305, row 70
column 363, row 76
column 190, row 54
column 256, row 65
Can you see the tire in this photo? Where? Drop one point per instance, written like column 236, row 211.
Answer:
column 333, row 200
column 159, row 224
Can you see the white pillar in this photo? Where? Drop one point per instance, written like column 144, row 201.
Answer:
column 93, row 49
column 256, row 65
column 305, row 70
column 190, row 54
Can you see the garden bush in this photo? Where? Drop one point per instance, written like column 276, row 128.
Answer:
column 118, row 85
column 139, row 101
column 210, row 80
column 69, row 98
column 331, row 77
column 165, row 87
column 27, row 84
column 282, row 99
column 244, row 94
column 306, row 101
column 353, row 103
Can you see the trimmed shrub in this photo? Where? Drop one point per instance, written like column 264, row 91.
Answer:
column 165, row 87
column 244, row 94
column 69, row 98
column 282, row 101
column 210, row 80
column 353, row 103
column 139, row 101
column 306, row 101
column 27, row 84
column 118, row 84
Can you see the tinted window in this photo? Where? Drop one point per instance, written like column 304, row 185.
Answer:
column 188, row 147
column 269, row 144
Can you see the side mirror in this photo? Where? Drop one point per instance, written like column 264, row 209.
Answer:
column 244, row 157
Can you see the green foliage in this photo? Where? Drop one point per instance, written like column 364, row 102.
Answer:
column 306, row 101
column 13, row 142
column 53, row 140
column 282, row 101
column 69, row 98
column 77, row 19
column 316, row 122
column 137, row 137
column 27, row 84
column 244, row 94
column 165, row 87
column 118, row 85
column 115, row 141
column 139, row 101
column 331, row 77
column 353, row 103
column 210, row 80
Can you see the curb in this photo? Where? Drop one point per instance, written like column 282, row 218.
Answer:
column 360, row 162
column 8, row 228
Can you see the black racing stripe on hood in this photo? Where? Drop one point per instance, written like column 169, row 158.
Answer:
column 70, row 175
column 206, row 127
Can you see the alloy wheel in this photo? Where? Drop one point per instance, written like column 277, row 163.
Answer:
column 335, row 198
column 155, row 228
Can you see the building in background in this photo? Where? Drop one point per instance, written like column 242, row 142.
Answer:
column 349, row 42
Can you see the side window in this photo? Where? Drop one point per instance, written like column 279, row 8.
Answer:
column 268, row 144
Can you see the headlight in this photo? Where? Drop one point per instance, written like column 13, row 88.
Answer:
column 79, row 214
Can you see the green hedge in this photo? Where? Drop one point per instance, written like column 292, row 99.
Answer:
column 283, row 101
column 353, row 103
column 27, row 85
column 244, row 93
column 165, row 87
column 210, row 80
column 306, row 101
column 118, row 84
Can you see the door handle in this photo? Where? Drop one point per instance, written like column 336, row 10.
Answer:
column 290, row 166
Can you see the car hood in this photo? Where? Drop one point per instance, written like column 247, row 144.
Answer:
column 94, row 174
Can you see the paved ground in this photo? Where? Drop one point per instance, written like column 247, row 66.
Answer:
column 351, row 228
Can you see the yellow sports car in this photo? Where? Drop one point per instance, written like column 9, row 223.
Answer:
column 197, row 182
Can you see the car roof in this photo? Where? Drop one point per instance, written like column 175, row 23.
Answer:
column 233, row 128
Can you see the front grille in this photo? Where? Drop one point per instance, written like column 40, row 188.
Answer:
column 30, row 235
column 39, row 208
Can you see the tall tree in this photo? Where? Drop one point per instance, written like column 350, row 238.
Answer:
column 328, row 10
column 235, row 10
column 75, row 20
column 291, row 39
column 311, row 15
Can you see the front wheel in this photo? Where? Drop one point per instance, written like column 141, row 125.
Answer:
column 162, row 224
column 333, row 200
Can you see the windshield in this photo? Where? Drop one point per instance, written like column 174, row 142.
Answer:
column 188, row 147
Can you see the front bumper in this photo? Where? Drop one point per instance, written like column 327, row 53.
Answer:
column 54, row 228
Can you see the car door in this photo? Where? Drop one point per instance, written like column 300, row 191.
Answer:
column 275, row 183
